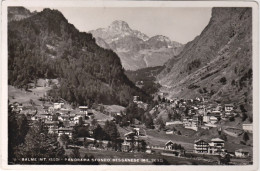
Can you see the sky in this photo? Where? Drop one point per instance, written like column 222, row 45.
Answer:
column 179, row 24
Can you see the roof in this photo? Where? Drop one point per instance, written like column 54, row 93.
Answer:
column 213, row 118
column 51, row 122
column 83, row 107
column 217, row 139
column 65, row 129
column 129, row 133
column 216, row 112
column 229, row 105
column 241, row 151
column 199, row 140
column 169, row 142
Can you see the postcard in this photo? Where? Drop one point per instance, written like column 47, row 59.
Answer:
column 107, row 85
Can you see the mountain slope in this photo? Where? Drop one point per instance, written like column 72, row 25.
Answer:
column 45, row 45
column 18, row 13
column 217, row 63
column 135, row 49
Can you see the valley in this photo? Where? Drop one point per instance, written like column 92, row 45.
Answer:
column 115, row 92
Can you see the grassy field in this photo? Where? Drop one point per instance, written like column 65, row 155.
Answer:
column 160, row 138
column 22, row 96
column 114, row 108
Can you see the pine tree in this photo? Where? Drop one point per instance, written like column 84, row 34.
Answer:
column 245, row 137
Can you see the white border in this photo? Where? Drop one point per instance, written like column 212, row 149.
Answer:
column 70, row 3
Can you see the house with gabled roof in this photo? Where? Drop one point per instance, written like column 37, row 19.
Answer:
column 241, row 153
column 201, row 146
column 214, row 147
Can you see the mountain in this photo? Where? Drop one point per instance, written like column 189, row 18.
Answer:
column 45, row 45
column 18, row 13
column 217, row 63
column 145, row 78
column 135, row 49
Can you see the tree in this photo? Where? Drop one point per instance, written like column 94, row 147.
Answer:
column 232, row 118
column 60, row 152
column 110, row 129
column 94, row 122
column 38, row 143
column 99, row 133
column 245, row 137
column 55, row 117
column 23, row 127
column 75, row 153
column 160, row 122
column 143, row 146
column 64, row 139
column 244, row 116
column 225, row 160
column 223, row 80
column 32, row 102
column 80, row 121
column 109, row 145
column 149, row 122
column 12, row 134
column 170, row 115
column 223, row 137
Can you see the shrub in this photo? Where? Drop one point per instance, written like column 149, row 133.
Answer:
column 223, row 80
column 242, row 142
column 245, row 137
column 231, row 119
column 194, row 64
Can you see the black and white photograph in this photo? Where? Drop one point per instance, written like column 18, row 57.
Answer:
column 131, row 85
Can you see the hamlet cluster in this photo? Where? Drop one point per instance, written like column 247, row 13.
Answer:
column 60, row 119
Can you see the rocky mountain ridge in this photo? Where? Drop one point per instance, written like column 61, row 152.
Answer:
column 217, row 63
column 135, row 49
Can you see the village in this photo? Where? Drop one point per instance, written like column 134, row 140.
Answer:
column 197, row 115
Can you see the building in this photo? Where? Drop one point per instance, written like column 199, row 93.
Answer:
column 172, row 149
column 213, row 119
column 90, row 112
column 169, row 145
column 206, row 119
column 66, row 131
column 76, row 118
column 191, row 123
column 83, row 109
column 131, row 142
column 148, row 149
column 216, row 113
column 169, row 132
column 214, row 147
column 58, row 105
column 241, row 153
column 64, row 118
column 136, row 98
column 52, row 126
column 229, row 107
column 248, row 128
column 201, row 146
column 137, row 131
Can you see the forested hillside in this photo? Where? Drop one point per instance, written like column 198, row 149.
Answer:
column 146, row 78
column 45, row 45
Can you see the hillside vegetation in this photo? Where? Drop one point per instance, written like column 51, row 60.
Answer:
column 45, row 45
column 217, row 63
